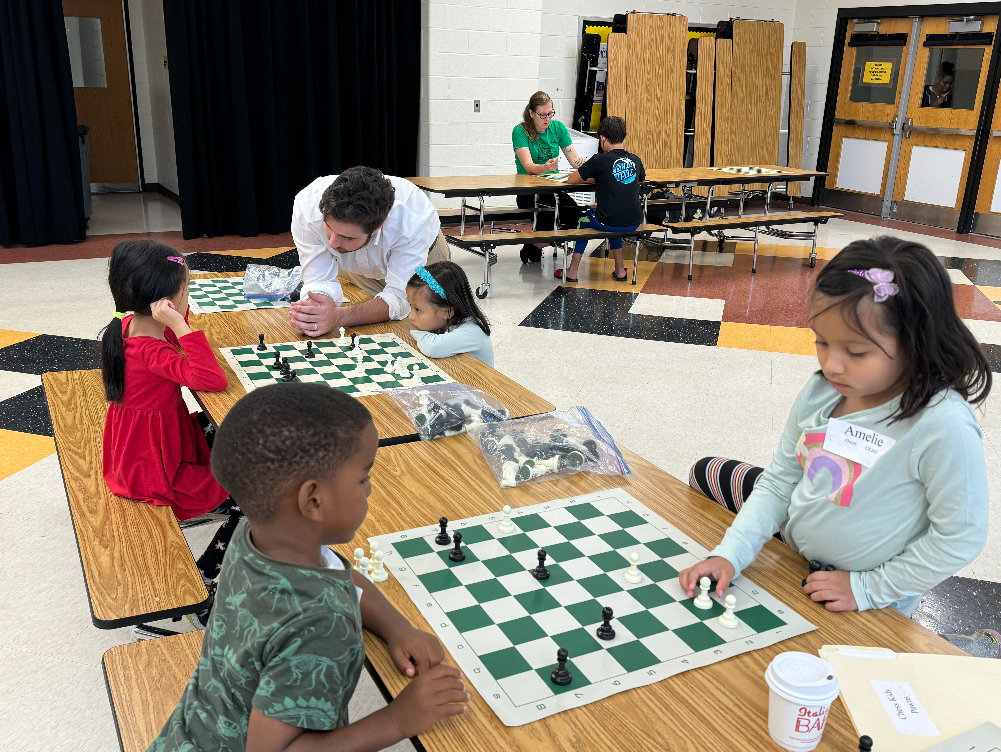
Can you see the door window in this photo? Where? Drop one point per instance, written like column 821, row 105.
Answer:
column 86, row 47
column 874, row 79
column 953, row 78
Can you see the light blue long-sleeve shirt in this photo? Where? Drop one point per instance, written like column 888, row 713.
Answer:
column 467, row 337
column 916, row 517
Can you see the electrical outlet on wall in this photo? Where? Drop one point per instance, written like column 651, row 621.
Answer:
column 476, row 105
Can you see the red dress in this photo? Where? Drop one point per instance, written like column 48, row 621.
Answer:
column 154, row 449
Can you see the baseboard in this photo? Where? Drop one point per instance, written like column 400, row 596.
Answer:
column 163, row 191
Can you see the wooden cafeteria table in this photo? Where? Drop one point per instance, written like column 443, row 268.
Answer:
column 235, row 328
column 720, row 707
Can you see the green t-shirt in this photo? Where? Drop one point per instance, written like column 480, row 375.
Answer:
column 545, row 147
column 283, row 638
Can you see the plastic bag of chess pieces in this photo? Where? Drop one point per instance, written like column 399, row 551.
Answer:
column 438, row 410
column 548, row 446
column 262, row 282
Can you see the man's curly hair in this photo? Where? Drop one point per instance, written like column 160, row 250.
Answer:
column 360, row 195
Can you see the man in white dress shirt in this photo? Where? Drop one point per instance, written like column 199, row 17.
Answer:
column 374, row 230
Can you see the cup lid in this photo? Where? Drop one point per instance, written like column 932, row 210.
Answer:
column 801, row 677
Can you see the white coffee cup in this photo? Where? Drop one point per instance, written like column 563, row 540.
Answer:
column 801, row 688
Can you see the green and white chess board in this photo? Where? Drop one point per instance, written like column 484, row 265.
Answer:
column 334, row 364
column 503, row 627
column 750, row 170
column 224, row 294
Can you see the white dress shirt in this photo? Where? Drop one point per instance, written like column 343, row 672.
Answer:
column 393, row 253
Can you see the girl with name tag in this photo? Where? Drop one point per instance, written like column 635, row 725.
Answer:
column 880, row 470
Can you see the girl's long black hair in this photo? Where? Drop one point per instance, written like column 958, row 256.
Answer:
column 458, row 295
column 139, row 275
column 941, row 351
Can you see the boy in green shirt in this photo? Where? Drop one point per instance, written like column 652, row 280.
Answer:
column 283, row 648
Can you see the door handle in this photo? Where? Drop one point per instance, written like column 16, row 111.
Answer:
column 893, row 126
column 866, row 123
column 908, row 127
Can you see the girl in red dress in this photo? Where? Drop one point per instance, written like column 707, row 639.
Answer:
column 155, row 451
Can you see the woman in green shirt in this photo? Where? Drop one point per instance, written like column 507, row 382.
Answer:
column 537, row 142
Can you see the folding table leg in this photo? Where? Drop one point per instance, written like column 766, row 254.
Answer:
column 691, row 256
column 754, row 260
column 564, row 280
column 813, row 250
column 636, row 260
column 462, row 217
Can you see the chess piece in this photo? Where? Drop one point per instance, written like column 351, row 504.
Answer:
column 456, row 553
column 309, row 354
column 633, row 574
column 261, row 346
column 378, row 573
column 354, row 340
column 277, row 365
column 561, row 676
column 540, row 572
column 702, row 600
column 342, row 340
column 605, row 631
column 727, row 618
column 830, row 568
column 413, row 377
column 815, row 566
column 359, row 355
column 373, row 549
column 864, row 744
column 359, row 553
column 443, row 539
column 363, row 566
column 506, row 525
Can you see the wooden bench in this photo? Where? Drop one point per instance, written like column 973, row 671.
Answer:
column 145, row 680
column 136, row 563
column 484, row 245
column 759, row 222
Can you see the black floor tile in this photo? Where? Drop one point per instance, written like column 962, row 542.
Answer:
column 979, row 271
column 27, row 412
column 212, row 262
column 993, row 353
column 48, row 352
column 604, row 312
column 960, row 606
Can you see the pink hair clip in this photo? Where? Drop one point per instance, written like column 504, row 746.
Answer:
column 176, row 259
column 882, row 282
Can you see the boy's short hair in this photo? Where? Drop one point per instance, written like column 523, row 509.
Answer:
column 281, row 435
column 613, row 128
column 360, row 195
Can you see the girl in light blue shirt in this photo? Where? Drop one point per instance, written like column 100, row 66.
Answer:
column 880, row 474
column 444, row 314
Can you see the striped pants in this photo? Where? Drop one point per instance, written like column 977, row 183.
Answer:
column 727, row 482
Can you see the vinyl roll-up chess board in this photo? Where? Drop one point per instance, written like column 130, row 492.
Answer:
column 217, row 294
column 335, row 365
column 503, row 627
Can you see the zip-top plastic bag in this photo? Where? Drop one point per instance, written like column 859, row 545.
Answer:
column 549, row 446
column 262, row 282
column 438, row 410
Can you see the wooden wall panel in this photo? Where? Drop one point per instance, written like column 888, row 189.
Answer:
column 722, row 150
column 797, row 109
column 618, row 81
column 655, row 108
column 705, row 73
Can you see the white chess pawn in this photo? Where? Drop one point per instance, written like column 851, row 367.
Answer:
column 363, row 566
column 378, row 573
column 342, row 340
column 359, row 553
column 727, row 618
column 506, row 525
column 702, row 600
column 359, row 354
column 415, row 379
column 633, row 574
column 373, row 549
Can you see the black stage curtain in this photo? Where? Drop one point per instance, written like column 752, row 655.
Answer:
column 41, row 193
column 269, row 94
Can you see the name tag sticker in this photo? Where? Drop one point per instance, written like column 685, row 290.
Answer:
column 904, row 708
column 862, row 445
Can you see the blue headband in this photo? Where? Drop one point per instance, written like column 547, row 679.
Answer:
column 424, row 274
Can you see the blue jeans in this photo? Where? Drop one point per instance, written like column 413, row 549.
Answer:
column 590, row 220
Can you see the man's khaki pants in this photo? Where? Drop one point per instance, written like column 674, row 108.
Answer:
column 438, row 252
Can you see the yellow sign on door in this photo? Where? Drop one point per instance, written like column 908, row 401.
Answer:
column 877, row 72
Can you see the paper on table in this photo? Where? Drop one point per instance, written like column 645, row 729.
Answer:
column 984, row 738
column 958, row 692
column 556, row 177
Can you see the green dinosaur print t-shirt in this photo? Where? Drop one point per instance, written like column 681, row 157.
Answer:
column 284, row 639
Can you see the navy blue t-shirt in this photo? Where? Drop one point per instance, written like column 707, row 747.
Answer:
column 617, row 176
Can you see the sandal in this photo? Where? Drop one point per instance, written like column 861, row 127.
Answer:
column 559, row 275
column 623, row 278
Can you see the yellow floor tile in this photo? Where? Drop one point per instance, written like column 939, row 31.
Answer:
column 261, row 253
column 784, row 339
column 786, row 251
column 9, row 337
column 596, row 274
column 19, row 450
column 993, row 294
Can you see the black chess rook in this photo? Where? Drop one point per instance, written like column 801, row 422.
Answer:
column 540, row 572
column 561, row 676
column 456, row 554
column 605, row 631
column 443, row 539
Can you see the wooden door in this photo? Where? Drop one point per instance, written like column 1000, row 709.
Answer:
column 103, row 103
column 939, row 129
column 872, row 79
column 988, row 217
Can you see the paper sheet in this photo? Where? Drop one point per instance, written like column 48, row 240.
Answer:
column 984, row 738
column 956, row 693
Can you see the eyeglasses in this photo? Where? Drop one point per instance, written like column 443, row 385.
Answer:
column 545, row 116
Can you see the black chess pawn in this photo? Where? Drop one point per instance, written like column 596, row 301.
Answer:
column 540, row 572
column 309, row 351
column 830, row 568
column 815, row 566
column 354, row 340
column 605, row 631
column 561, row 676
column 261, row 346
column 456, row 554
column 443, row 539
column 277, row 365
column 864, row 744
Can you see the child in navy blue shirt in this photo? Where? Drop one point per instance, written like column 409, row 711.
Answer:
column 616, row 175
